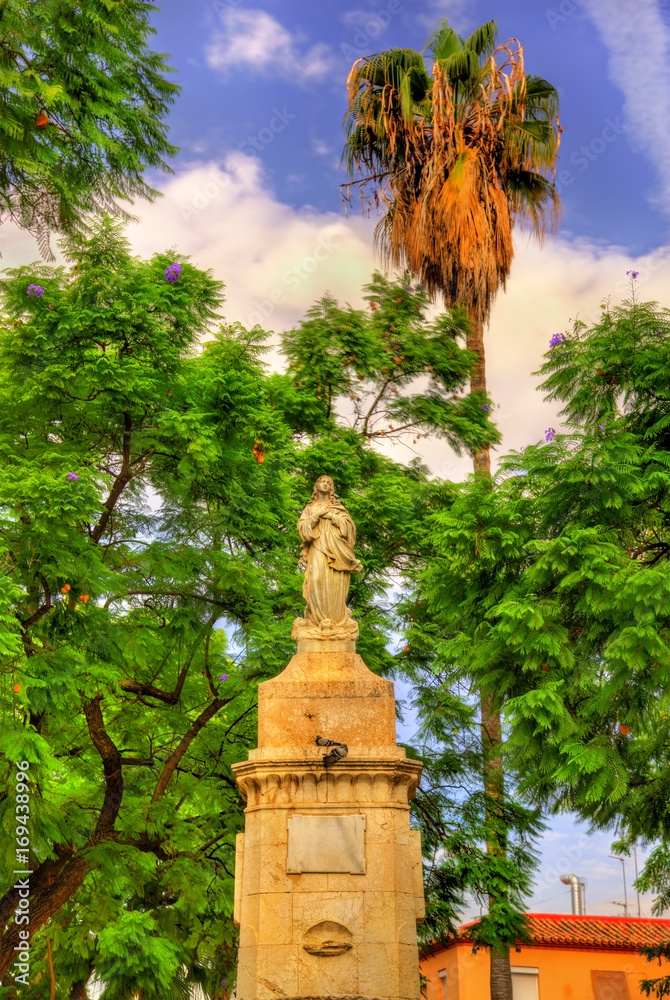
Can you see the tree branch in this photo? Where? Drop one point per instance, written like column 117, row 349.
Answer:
column 162, row 593
column 111, row 763
column 184, row 744
column 148, row 690
column 56, row 880
column 41, row 611
column 364, row 428
column 121, row 481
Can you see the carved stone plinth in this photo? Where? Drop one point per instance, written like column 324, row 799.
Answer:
column 304, row 629
column 344, row 925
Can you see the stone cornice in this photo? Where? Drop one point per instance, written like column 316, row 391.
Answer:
column 358, row 781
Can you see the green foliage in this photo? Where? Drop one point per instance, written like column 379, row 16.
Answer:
column 399, row 371
column 458, row 820
column 81, row 116
column 548, row 589
column 658, row 987
column 143, row 601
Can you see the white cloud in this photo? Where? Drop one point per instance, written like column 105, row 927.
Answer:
column 274, row 260
column 638, row 41
column 549, row 286
column 457, row 12
column 321, row 148
column 257, row 41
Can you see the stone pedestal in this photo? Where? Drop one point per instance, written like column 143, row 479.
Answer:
column 328, row 875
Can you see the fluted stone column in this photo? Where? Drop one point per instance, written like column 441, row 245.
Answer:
column 328, row 876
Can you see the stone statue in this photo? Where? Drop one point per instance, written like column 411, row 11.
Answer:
column 328, row 535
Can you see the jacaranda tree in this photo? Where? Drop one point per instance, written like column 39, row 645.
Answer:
column 149, row 489
column 82, row 113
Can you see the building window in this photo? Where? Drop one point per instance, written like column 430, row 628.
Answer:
column 443, row 980
column 610, row 986
column 524, row 983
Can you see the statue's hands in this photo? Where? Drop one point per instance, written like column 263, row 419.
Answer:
column 328, row 515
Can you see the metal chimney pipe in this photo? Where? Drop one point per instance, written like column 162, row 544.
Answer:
column 575, row 892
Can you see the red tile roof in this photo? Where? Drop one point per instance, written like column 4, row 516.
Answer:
column 561, row 930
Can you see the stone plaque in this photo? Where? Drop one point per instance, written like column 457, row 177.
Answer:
column 326, row 844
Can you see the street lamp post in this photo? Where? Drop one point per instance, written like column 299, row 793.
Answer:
column 623, row 872
column 637, row 891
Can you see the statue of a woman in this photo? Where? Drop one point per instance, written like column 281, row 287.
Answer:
column 328, row 536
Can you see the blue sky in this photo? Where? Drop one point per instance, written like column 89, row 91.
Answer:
column 299, row 60
column 255, row 193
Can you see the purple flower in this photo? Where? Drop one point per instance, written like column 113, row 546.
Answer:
column 557, row 338
column 601, row 426
column 34, row 291
column 421, row 288
column 172, row 272
column 223, row 677
column 486, row 407
column 633, row 274
column 549, row 434
column 659, row 330
column 344, row 461
column 72, row 475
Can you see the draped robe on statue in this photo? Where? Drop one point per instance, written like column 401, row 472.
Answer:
column 328, row 550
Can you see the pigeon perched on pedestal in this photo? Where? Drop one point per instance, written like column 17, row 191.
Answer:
column 339, row 751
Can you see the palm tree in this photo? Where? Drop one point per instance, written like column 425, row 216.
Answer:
column 456, row 158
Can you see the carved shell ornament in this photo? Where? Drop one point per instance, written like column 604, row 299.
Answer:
column 328, row 938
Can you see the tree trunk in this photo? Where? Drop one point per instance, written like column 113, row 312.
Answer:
column 493, row 774
column 475, row 342
column 501, row 977
column 79, row 991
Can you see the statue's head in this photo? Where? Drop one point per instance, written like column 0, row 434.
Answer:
column 324, row 484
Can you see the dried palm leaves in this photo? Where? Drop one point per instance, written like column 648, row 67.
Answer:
column 455, row 159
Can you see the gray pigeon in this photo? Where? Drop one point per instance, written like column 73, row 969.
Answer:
column 339, row 751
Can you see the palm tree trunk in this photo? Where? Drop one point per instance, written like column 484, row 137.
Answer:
column 475, row 342
column 493, row 774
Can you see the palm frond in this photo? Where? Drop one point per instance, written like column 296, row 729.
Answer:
column 444, row 42
column 483, row 39
column 533, row 201
column 455, row 159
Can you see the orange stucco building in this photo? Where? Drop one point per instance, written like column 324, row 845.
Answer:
column 572, row 958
